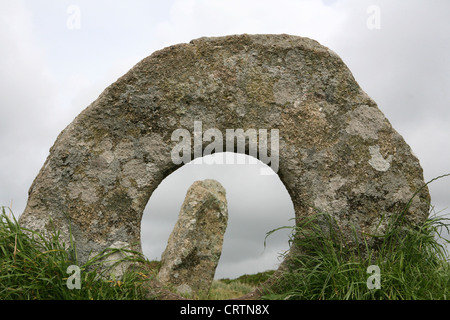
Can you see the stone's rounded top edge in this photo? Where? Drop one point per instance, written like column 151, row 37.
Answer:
column 211, row 185
column 208, row 183
column 265, row 39
column 268, row 42
column 255, row 37
column 282, row 40
column 209, row 180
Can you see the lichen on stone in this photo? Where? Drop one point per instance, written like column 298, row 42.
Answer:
column 338, row 152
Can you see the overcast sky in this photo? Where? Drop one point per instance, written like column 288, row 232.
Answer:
column 57, row 56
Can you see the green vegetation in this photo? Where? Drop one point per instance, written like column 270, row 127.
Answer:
column 412, row 261
column 33, row 267
column 251, row 279
column 224, row 290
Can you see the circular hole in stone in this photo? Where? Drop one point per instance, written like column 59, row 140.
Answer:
column 257, row 204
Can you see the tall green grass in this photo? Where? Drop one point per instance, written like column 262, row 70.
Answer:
column 413, row 265
column 35, row 267
column 413, row 262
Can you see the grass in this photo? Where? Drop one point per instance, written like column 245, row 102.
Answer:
column 413, row 265
column 222, row 289
column 225, row 290
column 33, row 267
column 251, row 279
column 412, row 261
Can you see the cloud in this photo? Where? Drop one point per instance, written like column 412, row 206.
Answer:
column 44, row 84
column 49, row 74
column 230, row 268
column 404, row 63
column 27, row 104
column 404, row 67
column 190, row 19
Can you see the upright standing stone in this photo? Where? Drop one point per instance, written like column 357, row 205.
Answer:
column 195, row 244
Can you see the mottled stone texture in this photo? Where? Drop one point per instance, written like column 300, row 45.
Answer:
column 338, row 153
column 195, row 244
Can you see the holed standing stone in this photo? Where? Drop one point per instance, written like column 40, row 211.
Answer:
column 338, row 153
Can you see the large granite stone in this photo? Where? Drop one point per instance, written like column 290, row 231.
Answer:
column 337, row 151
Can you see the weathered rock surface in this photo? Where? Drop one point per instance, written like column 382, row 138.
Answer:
column 195, row 244
column 337, row 151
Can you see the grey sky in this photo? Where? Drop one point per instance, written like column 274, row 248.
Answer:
column 51, row 70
